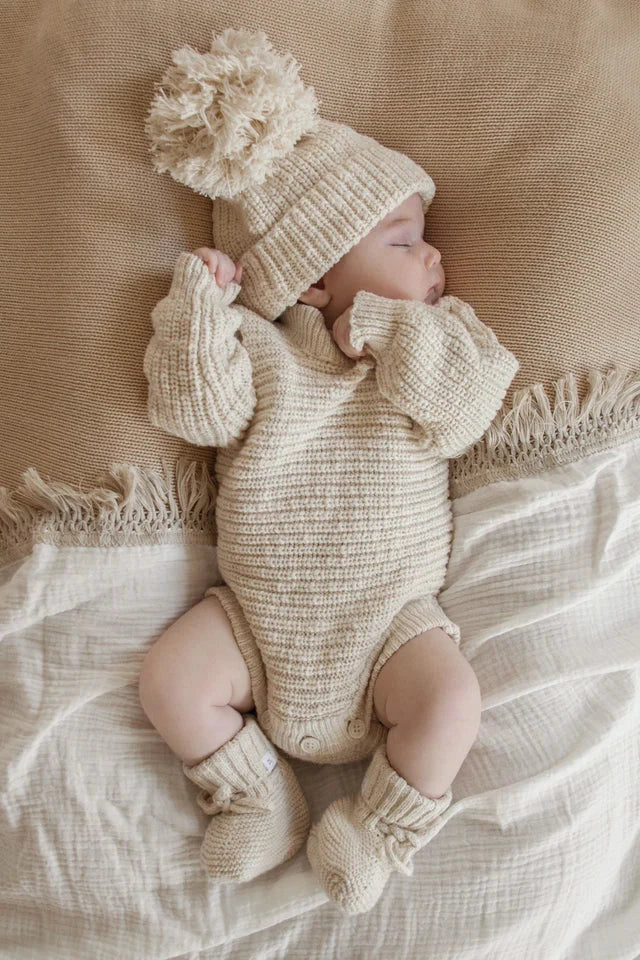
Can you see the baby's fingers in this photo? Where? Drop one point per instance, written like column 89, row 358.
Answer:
column 227, row 270
column 341, row 334
column 349, row 350
column 220, row 265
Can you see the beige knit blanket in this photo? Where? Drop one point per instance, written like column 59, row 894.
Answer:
column 527, row 116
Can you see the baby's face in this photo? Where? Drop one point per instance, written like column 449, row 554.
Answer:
column 393, row 261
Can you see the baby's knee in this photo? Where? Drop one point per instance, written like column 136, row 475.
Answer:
column 455, row 700
column 458, row 710
column 465, row 687
column 174, row 680
column 157, row 681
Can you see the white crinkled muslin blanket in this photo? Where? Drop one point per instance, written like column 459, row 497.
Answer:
column 538, row 853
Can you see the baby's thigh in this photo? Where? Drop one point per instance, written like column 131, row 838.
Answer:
column 429, row 665
column 197, row 658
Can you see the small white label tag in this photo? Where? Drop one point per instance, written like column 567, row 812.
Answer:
column 269, row 761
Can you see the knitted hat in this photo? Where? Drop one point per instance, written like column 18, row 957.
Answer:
column 292, row 192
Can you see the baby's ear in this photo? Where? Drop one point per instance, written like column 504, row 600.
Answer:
column 315, row 295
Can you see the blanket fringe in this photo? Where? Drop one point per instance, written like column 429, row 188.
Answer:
column 140, row 505
column 535, row 434
column 130, row 505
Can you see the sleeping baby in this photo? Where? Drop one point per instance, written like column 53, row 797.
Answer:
column 314, row 349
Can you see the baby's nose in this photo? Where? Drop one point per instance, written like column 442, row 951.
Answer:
column 433, row 257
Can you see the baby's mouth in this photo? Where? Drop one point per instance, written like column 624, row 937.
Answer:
column 432, row 295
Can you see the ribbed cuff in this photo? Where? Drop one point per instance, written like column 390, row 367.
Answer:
column 191, row 279
column 373, row 320
column 243, row 760
column 396, row 801
column 419, row 615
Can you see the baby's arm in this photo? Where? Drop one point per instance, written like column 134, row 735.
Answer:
column 200, row 383
column 437, row 363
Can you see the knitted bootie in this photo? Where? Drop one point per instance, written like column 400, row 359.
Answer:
column 260, row 814
column 361, row 839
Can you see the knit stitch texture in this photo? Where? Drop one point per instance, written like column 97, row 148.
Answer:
column 362, row 839
column 260, row 816
column 333, row 518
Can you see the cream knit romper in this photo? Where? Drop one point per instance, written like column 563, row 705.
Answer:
column 333, row 516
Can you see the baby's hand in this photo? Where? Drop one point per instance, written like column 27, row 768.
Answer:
column 221, row 267
column 340, row 332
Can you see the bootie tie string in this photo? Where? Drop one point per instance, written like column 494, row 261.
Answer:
column 226, row 798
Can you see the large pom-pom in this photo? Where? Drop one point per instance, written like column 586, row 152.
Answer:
column 227, row 116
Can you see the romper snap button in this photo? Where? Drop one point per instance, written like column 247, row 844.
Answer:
column 356, row 729
column 309, row 744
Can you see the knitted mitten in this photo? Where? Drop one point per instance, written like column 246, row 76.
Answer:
column 361, row 839
column 260, row 814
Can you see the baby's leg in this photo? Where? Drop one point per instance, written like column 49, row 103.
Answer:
column 428, row 695
column 194, row 687
column 194, row 684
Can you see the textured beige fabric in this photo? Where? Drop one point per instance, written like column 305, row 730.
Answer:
column 292, row 191
column 332, row 512
column 259, row 815
column 362, row 839
column 526, row 115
